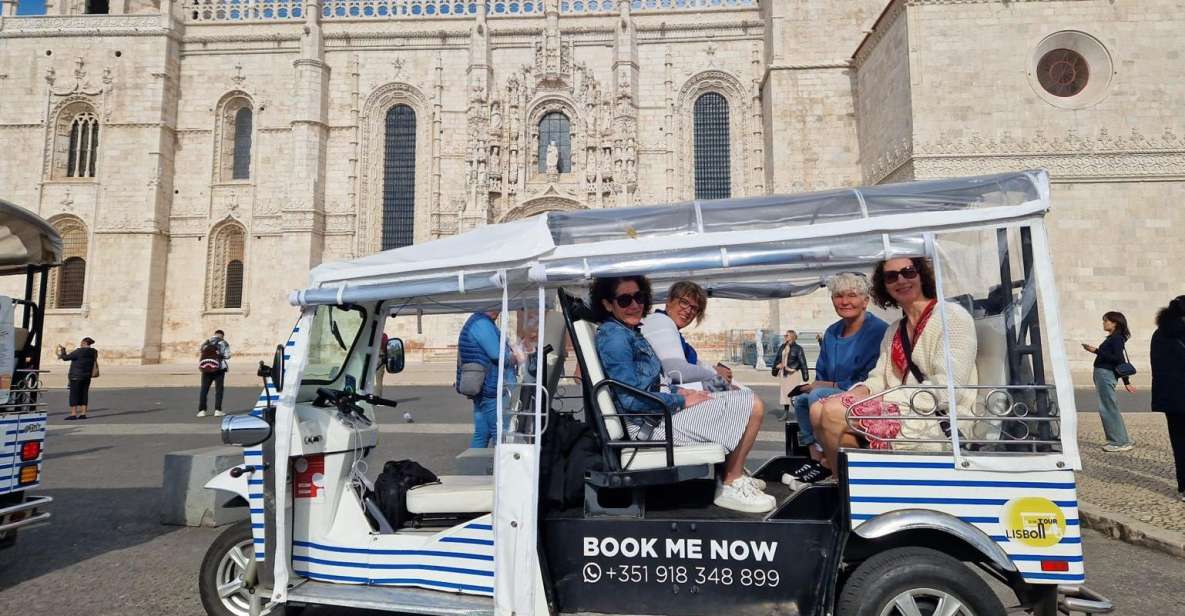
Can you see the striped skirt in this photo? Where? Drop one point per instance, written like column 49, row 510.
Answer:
column 719, row 420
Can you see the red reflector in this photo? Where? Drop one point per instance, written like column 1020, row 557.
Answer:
column 1055, row 565
column 30, row 450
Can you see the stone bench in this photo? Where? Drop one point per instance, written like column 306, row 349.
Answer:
column 185, row 501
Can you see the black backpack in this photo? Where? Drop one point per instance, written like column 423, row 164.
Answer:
column 390, row 489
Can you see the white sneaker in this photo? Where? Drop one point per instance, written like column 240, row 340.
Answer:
column 1117, row 448
column 201, row 414
column 218, row 413
column 753, row 481
column 794, row 483
column 742, row 496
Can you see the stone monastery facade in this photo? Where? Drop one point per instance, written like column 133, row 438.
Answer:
column 199, row 156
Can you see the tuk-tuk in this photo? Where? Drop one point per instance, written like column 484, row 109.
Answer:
column 915, row 528
column 29, row 247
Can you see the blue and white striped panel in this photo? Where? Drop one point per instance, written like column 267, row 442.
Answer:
column 880, row 483
column 254, row 457
column 16, row 429
column 460, row 559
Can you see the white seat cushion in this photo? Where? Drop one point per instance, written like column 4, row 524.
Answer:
column 454, row 494
column 685, row 455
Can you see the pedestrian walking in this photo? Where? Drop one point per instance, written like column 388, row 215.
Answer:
column 1168, row 379
column 477, row 374
column 84, row 366
column 1109, row 355
column 791, row 370
column 213, row 365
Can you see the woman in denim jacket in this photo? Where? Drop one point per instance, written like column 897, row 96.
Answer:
column 731, row 419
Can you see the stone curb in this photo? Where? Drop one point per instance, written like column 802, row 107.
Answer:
column 1130, row 530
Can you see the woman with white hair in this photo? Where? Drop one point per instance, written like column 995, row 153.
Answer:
column 847, row 354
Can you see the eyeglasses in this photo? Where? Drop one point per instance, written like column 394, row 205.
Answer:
column 624, row 300
column 908, row 273
column 686, row 305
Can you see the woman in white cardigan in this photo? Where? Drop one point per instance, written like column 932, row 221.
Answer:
column 911, row 353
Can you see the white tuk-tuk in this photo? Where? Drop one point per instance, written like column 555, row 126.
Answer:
column 579, row 518
column 29, row 247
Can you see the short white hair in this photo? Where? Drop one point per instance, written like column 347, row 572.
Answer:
column 848, row 282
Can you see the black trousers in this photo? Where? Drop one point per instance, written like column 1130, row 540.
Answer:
column 80, row 392
column 217, row 379
column 1176, row 423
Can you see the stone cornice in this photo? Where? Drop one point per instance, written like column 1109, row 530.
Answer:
column 84, row 25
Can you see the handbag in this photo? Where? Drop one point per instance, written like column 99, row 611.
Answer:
column 774, row 370
column 1125, row 369
column 95, row 369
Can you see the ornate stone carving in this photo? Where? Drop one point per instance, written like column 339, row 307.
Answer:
column 740, row 115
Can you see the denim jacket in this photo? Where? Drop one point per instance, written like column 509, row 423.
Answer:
column 628, row 358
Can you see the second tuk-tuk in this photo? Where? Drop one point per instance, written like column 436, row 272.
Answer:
column 629, row 526
column 29, row 248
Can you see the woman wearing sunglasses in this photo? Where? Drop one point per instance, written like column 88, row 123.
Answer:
column 686, row 304
column 731, row 418
column 911, row 353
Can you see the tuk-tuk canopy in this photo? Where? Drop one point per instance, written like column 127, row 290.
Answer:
column 26, row 239
column 802, row 237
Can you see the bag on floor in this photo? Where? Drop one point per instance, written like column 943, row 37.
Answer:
column 390, row 489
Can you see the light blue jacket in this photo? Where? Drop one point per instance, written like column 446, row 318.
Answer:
column 628, row 358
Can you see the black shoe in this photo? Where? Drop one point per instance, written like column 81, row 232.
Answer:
column 803, row 470
column 71, row 417
column 816, row 474
column 82, row 416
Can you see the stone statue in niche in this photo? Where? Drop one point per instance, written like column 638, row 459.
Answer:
column 496, row 116
column 631, row 149
column 495, row 159
column 590, row 178
column 606, row 117
column 553, row 158
column 631, row 171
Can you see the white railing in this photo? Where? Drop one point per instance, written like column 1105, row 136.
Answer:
column 281, row 10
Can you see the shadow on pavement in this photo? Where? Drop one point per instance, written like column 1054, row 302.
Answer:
column 80, row 452
column 86, row 523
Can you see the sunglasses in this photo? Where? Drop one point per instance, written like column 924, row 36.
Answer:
column 624, row 300
column 908, row 273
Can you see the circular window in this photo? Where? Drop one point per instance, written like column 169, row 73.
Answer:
column 1070, row 69
column 1063, row 72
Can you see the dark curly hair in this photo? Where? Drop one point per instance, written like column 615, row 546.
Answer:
column 880, row 293
column 1175, row 311
column 606, row 289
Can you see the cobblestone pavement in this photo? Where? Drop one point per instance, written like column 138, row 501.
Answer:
column 1138, row 484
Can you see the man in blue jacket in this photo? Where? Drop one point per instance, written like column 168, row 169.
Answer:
column 849, row 351
column 478, row 344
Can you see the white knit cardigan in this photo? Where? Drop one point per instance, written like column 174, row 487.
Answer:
column 929, row 357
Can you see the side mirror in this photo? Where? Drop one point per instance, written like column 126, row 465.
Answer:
column 278, row 368
column 394, row 354
column 245, row 430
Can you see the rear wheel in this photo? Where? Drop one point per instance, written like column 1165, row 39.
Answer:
column 221, row 583
column 916, row 582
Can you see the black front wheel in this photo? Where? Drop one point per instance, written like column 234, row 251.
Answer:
column 222, row 583
column 916, row 582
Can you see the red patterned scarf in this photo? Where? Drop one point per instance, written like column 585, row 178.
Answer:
column 900, row 361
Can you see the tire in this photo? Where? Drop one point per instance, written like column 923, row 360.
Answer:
column 921, row 578
column 223, row 564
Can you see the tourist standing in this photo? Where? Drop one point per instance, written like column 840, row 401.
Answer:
column 1168, row 379
column 1108, row 355
column 84, row 366
column 477, row 374
column 213, row 365
column 791, row 369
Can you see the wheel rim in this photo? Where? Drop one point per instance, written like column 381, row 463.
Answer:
column 228, row 578
column 926, row 602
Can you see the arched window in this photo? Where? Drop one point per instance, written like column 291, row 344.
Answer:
column 399, row 178
column 555, row 127
column 713, row 161
column 236, row 119
column 241, row 167
column 225, row 288
column 67, row 282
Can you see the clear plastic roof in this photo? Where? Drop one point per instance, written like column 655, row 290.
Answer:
column 26, row 239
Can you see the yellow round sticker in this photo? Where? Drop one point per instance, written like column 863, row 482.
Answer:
column 1033, row 521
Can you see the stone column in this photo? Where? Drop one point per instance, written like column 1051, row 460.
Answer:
column 8, row 8
column 304, row 214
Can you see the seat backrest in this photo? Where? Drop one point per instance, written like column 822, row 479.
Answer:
column 586, row 333
column 20, row 338
column 991, row 363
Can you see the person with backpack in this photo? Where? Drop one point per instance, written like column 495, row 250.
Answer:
column 213, row 366
column 477, row 374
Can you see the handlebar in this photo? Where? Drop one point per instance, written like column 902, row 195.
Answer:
column 345, row 400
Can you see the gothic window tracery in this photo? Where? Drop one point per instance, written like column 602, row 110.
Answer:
column 67, row 282
column 226, row 267
column 713, row 160
column 76, row 141
column 555, row 128
column 399, row 178
column 236, row 126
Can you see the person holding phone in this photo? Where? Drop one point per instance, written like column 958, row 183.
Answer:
column 1108, row 355
column 686, row 304
column 84, row 366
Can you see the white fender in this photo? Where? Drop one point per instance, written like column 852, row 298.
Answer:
column 225, row 482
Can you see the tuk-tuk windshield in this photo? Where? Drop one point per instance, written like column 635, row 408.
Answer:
column 334, row 334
